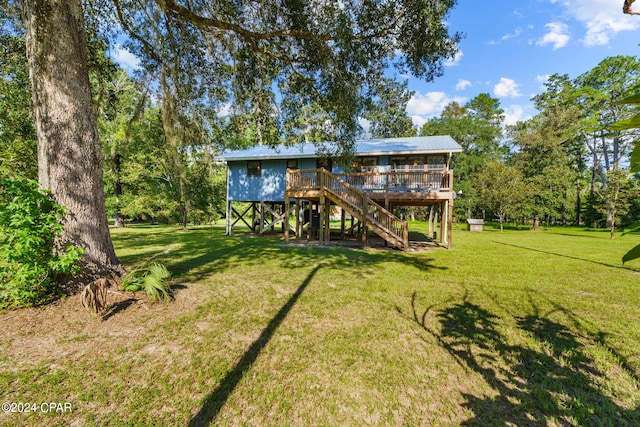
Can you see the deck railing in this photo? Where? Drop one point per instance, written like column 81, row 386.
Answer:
column 379, row 182
column 399, row 181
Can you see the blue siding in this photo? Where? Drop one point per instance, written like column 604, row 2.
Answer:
column 269, row 187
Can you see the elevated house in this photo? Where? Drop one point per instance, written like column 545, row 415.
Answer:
column 299, row 189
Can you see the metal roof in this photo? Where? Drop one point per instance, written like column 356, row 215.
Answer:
column 367, row 147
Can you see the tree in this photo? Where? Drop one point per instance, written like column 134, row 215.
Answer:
column 541, row 150
column 502, row 190
column 612, row 79
column 477, row 127
column 562, row 114
column 615, row 197
column 388, row 110
column 324, row 54
column 119, row 126
column 627, row 124
column 69, row 152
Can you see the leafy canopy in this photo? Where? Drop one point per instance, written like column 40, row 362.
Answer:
column 272, row 61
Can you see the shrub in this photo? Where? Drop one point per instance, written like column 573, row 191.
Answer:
column 30, row 267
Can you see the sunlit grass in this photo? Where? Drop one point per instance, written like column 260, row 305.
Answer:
column 516, row 327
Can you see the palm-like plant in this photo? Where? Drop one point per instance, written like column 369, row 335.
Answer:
column 151, row 279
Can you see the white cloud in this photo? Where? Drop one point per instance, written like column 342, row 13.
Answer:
column 603, row 19
column 126, row 59
column 224, row 110
column 418, row 121
column 366, row 126
column 507, row 36
column 455, row 60
column 558, row 35
column 516, row 33
column 430, row 103
column 463, row 84
column 424, row 106
column 506, row 88
column 542, row 81
column 514, row 114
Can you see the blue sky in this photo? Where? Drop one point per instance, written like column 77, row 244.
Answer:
column 512, row 46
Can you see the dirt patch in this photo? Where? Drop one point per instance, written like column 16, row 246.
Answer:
column 64, row 330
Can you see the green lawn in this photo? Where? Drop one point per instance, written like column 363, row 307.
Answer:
column 514, row 328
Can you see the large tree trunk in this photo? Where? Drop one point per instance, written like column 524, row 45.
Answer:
column 69, row 153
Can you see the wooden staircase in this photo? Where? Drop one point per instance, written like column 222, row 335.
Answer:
column 352, row 200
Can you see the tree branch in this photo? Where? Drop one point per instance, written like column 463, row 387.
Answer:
column 152, row 52
column 179, row 12
column 626, row 8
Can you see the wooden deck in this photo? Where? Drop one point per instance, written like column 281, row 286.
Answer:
column 390, row 189
column 372, row 196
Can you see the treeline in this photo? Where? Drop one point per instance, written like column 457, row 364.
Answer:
column 563, row 166
column 160, row 137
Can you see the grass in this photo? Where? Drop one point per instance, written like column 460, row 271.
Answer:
column 512, row 328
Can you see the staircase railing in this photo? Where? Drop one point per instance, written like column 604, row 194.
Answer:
column 383, row 222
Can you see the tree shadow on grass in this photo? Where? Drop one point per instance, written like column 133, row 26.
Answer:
column 550, row 381
column 217, row 399
column 196, row 254
column 621, row 267
column 118, row 307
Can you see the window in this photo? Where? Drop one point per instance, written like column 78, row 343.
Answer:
column 324, row 162
column 416, row 163
column 292, row 164
column 369, row 163
column 399, row 163
column 436, row 163
column 364, row 164
column 254, row 168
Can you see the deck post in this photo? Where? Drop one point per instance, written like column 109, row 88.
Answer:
column 365, row 229
column 286, row 219
column 321, row 203
column 298, row 228
column 443, row 221
column 327, row 220
column 261, row 217
column 253, row 217
column 228, row 218
column 450, row 224
column 450, row 219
